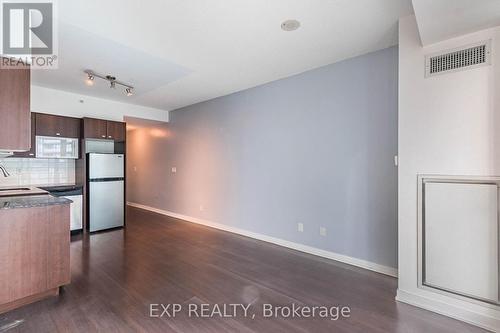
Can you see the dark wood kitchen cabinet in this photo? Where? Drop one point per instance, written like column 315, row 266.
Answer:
column 52, row 125
column 94, row 128
column 15, row 118
column 32, row 152
column 103, row 129
column 116, row 131
column 34, row 252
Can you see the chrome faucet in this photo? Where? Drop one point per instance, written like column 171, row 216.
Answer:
column 4, row 171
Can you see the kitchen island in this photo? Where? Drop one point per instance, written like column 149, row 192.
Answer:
column 34, row 248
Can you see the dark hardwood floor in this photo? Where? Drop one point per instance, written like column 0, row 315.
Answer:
column 117, row 274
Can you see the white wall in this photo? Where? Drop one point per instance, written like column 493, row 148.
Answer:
column 59, row 102
column 448, row 125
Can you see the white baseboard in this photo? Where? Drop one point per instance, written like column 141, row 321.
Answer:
column 483, row 320
column 295, row 246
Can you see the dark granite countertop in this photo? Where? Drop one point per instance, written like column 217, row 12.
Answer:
column 31, row 201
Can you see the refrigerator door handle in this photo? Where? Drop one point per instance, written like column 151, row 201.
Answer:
column 100, row 180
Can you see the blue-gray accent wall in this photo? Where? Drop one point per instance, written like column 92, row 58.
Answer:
column 317, row 148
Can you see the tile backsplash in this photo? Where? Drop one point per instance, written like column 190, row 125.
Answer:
column 37, row 171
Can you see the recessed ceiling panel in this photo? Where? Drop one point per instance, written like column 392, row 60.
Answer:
column 80, row 50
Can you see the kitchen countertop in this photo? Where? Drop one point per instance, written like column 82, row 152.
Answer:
column 31, row 201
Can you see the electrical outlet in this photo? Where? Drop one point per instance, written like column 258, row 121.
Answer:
column 322, row 231
column 174, row 170
column 300, row 227
column 202, row 208
column 135, row 169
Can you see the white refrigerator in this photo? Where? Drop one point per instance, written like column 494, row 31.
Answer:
column 106, row 191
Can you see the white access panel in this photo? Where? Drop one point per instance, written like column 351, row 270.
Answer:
column 460, row 233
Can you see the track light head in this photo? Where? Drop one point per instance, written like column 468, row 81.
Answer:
column 90, row 79
column 129, row 92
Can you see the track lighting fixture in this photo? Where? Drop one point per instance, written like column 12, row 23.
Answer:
column 109, row 78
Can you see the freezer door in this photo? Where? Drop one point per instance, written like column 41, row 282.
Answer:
column 106, row 205
column 106, row 166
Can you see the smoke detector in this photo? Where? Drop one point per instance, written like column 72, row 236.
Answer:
column 290, row 25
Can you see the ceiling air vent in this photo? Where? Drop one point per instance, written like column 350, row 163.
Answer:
column 467, row 57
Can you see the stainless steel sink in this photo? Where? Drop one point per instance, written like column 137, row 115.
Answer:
column 20, row 191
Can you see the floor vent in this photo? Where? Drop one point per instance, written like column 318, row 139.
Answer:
column 468, row 57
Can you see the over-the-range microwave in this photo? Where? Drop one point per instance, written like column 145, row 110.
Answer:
column 56, row 147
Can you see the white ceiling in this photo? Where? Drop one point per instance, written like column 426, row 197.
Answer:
column 439, row 20
column 180, row 52
column 105, row 56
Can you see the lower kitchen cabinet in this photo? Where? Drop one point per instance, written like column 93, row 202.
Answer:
column 34, row 254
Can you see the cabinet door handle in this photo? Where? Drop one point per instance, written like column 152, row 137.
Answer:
column 110, row 137
column 104, row 136
column 58, row 134
column 31, row 154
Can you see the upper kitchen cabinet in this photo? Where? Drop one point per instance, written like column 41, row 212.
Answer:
column 116, row 131
column 51, row 125
column 95, row 128
column 103, row 129
column 15, row 118
column 30, row 153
